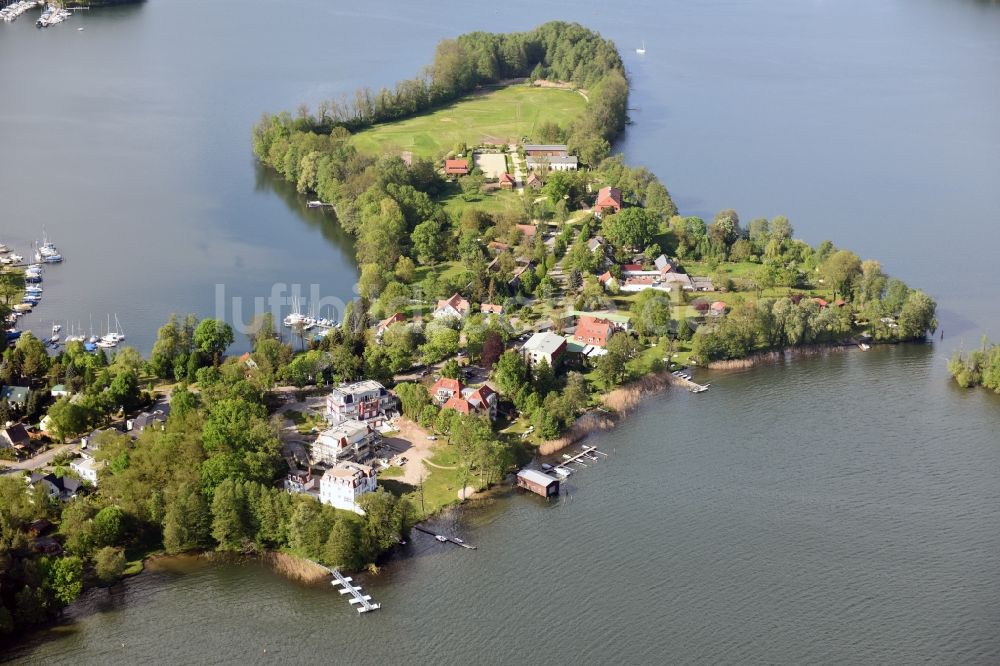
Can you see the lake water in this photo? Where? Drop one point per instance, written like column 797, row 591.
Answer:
column 839, row 509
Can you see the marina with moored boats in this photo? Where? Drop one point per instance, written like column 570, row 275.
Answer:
column 32, row 292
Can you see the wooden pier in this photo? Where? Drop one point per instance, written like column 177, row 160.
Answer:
column 364, row 601
column 443, row 538
column 693, row 387
column 588, row 452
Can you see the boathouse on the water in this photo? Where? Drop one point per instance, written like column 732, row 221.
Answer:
column 538, row 483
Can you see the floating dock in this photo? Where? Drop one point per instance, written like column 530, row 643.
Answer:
column 364, row 601
column 347, row 586
column 443, row 538
column 588, row 452
column 692, row 386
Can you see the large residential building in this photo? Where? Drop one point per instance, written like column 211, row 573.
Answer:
column 608, row 199
column 593, row 331
column 343, row 484
column 361, row 401
column 479, row 402
column 456, row 306
column 445, row 389
column 300, row 481
column 350, row 440
column 547, row 346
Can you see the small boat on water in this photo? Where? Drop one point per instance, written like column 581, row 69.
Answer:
column 440, row 538
column 642, row 49
column 562, row 471
column 546, row 466
column 16, row 258
column 56, row 327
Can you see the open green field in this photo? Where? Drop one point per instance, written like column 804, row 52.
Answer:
column 495, row 116
column 494, row 202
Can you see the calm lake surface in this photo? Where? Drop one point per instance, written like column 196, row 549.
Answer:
column 839, row 509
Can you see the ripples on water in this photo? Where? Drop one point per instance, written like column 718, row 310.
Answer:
column 837, row 509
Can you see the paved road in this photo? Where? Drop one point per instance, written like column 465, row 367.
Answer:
column 39, row 461
column 516, row 161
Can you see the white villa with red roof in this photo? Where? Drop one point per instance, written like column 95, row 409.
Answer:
column 456, row 306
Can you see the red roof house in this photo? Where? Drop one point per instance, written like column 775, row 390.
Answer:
column 631, row 268
column 456, row 167
column 718, row 307
column 820, row 302
column 608, row 198
column 456, row 306
column 593, row 331
column 529, row 230
column 444, row 389
column 506, row 181
column 383, row 325
column 459, row 404
column 491, row 308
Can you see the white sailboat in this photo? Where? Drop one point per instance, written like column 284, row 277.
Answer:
column 295, row 317
column 642, row 49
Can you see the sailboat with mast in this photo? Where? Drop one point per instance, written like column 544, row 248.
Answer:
column 642, row 49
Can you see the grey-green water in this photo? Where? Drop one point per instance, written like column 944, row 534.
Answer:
column 841, row 509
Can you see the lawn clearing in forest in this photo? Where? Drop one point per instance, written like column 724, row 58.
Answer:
column 506, row 114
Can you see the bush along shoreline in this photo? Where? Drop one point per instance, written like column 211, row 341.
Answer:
column 980, row 367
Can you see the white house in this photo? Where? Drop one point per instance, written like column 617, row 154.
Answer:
column 348, row 440
column 547, row 346
column 456, row 306
column 366, row 400
column 344, row 483
column 86, row 468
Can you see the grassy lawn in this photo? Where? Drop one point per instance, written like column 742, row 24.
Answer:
column 391, row 473
column 304, row 423
column 492, row 117
column 494, row 202
column 735, row 270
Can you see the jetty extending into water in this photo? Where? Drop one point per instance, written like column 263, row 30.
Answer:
column 590, row 453
column 347, row 586
column 685, row 380
column 444, row 539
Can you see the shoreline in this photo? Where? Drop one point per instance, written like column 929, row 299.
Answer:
column 617, row 403
column 779, row 355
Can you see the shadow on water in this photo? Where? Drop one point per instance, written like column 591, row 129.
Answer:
column 324, row 219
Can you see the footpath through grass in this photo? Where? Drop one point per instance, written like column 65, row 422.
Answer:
column 495, row 116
